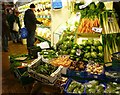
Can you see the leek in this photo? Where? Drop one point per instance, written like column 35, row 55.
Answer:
column 107, row 27
column 116, row 24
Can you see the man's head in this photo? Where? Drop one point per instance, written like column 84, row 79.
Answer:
column 17, row 13
column 32, row 7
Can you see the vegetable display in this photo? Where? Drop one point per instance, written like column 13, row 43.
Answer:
column 44, row 68
column 61, row 60
column 75, row 87
column 110, row 23
column 113, row 87
column 92, row 10
column 16, row 63
column 77, row 66
column 94, row 68
column 64, row 45
column 111, row 45
column 86, row 87
column 49, row 54
column 94, row 87
column 88, row 50
column 90, row 17
column 87, row 24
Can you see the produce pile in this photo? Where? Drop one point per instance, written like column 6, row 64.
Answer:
column 43, row 68
column 49, row 54
column 64, row 45
column 44, row 33
column 88, row 50
column 90, row 17
column 16, row 63
column 77, row 66
column 109, row 22
column 75, row 87
column 45, row 21
column 94, row 87
column 86, row 87
column 111, row 45
column 111, row 34
column 94, row 68
column 87, row 24
column 113, row 87
column 61, row 60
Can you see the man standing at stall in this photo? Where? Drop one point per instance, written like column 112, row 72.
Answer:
column 30, row 22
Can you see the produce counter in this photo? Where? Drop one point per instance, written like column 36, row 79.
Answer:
column 80, row 56
column 109, row 77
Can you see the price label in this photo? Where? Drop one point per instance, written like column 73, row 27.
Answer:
column 44, row 45
column 46, row 52
column 82, row 6
column 96, row 29
column 78, row 52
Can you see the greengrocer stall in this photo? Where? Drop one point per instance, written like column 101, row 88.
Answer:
column 85, row 55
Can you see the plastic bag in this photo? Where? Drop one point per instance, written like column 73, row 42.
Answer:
column 23, row 33
column 15, row 26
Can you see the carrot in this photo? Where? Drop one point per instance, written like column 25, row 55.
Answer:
column 96, row 22
column 79, row 28
column 83, row 30
column 88, row 24
column 91, row 23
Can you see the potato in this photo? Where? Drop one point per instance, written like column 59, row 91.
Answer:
column 72, row 67
column 76, row 69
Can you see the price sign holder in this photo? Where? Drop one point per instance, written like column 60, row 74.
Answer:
column 96, row 29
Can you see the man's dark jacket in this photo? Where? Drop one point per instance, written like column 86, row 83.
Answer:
column 30, row 20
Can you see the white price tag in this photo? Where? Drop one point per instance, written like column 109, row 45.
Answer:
column 43, row 45
column 96, row 29
column 81, row 7
column 46, row 52
column 78, row 52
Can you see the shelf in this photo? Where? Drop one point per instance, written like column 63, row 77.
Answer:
column 42, row 39
column 44, row 16
column 89, row 34
column 43, row 26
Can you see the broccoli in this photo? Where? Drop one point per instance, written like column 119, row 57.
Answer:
column 92, row 6
column 100, row 5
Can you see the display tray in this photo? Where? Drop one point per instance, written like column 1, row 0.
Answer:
column 22, row 75
column 89, row 34
column 84, row 87
column 116, row 61
column 21, row 58
column 84, row 74
column 73, row 73
column 95, row 76
column 67, row 85
column 49, row 79
column 42, row 39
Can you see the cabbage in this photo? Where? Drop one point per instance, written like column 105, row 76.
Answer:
column 84, row 42
column 90, row 41
column 94, row 54
column 100, row 48
column 87, row 55
column 97, row 43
